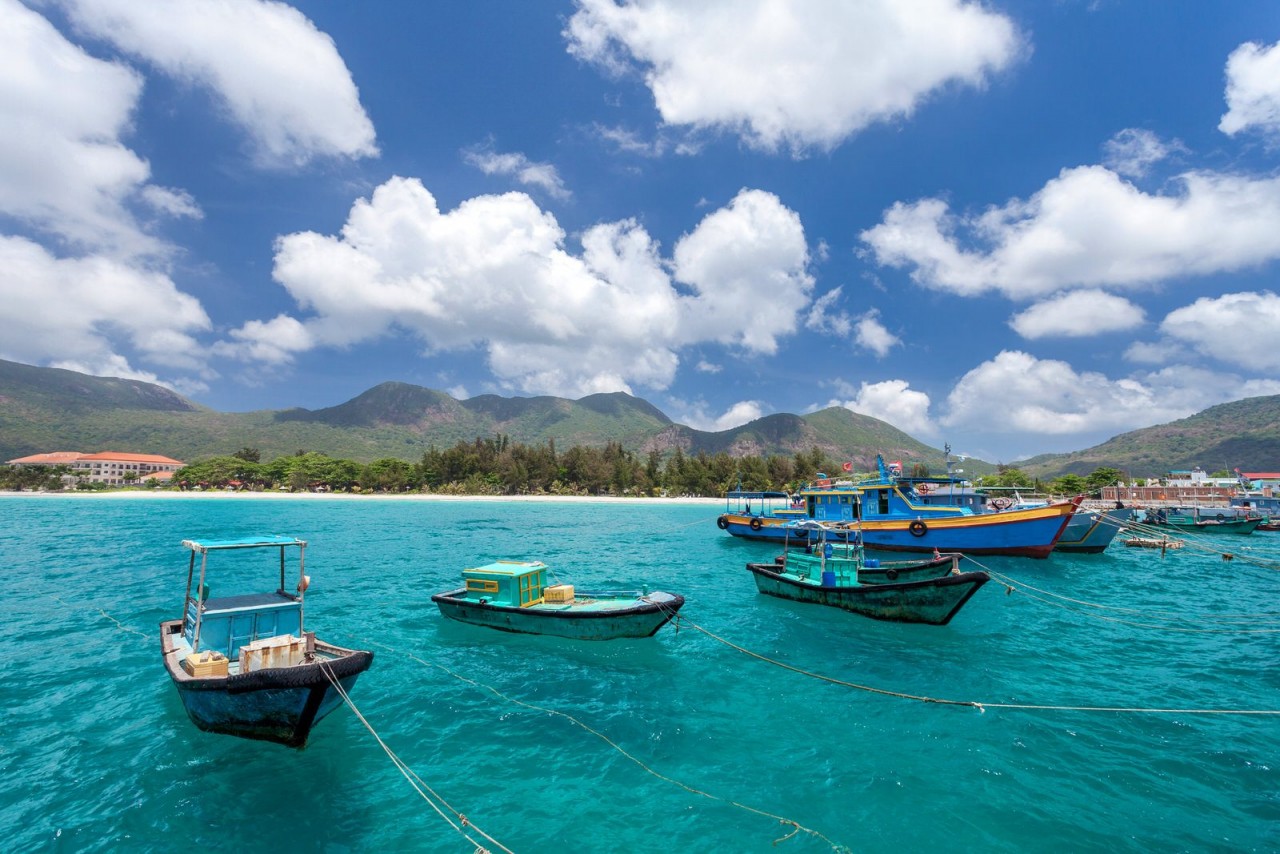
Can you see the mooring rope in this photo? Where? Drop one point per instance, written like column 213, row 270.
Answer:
column 419, row 785
column 1205, row 543
column 1012, row 585
column 795, row 826
column 981, row 706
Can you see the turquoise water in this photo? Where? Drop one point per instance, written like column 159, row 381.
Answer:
column 98, row 755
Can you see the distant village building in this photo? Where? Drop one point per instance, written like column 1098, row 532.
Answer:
column 1192, row 487
column 109, row 467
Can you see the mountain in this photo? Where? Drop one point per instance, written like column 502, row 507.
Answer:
column 45, row 409
column 1242, row 434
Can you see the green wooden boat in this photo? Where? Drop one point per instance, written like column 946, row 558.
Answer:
column 1204, row 520
column 513, row 596
column 823, row 547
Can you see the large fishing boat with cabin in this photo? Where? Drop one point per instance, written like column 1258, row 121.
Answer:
column 891, row 515
column 244, row 664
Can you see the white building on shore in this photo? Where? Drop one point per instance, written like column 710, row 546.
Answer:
column 113, row 468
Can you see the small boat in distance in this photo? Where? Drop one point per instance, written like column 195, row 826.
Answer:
column 243, row 664
column 513, row 596
column 1204, row 520
column 831, row 546
column 836, row 582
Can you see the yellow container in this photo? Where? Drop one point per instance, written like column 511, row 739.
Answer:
column 558, row 593
column 206, row 664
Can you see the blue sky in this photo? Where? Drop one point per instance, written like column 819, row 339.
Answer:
column 1016, row 227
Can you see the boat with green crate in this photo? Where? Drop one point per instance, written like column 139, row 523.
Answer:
column 513, row 596
column 243, row 664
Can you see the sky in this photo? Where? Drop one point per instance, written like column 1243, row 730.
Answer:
column 1013, row 227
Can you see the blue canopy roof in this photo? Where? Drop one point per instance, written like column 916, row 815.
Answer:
column 242, row 543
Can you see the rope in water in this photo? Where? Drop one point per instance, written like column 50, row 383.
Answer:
column 1012, row 585
column 974, row 704
column 419, row 785
column 795, row 826
column 1201, row 542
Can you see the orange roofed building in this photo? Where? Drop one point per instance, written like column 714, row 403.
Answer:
column 109, row 467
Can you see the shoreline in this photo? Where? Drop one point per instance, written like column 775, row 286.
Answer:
column 349, row 496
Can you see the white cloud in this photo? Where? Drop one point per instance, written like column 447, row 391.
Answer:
column 742, row 412
column 872, row 334
column 83, row 311
column 793, row 74
column 1078, row 314
column 1132, row 152
column 1238, row 328
column 171, row 202
column 1155, row 352
column 708, row 367
column 894, row 402
column 1086, row 228
column 280, row 78
column 63, row 168
column 494, row 273
column 1018, row 393
column 823, row 317
column 1253, row 90
column 541, row 175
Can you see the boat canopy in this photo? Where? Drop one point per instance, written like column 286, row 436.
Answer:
column 242, row 543
column 740, row 494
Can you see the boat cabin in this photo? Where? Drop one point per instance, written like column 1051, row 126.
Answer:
column 512, row 583
column 742, row 502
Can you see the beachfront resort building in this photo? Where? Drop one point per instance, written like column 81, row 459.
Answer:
column 109, row 467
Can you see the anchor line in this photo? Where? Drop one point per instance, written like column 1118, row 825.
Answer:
column 1012, row 585
column 981, row 706
column 795, row 826
column 418, row 784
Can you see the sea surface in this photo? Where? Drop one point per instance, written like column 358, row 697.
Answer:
column 680, row 742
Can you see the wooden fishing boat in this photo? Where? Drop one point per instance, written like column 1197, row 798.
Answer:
column 244, row 664
column 933, row 601
column 1204, row 520
column 832, row 546
column 513, row 596
column 892, row 516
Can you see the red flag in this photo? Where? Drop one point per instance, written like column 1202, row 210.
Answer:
column 848, row 466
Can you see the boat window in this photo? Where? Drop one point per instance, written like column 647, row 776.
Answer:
column 883, row 501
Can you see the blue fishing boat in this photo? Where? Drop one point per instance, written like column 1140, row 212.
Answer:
column 1262, row 503
column 892, row 516
column 513, row 596
column 1088, row 531
column 244, row 664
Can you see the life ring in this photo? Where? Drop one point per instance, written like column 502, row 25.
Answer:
column 918, row 528
column 755, row 524
column 1001, row 503
column 923, row 488
column 723, row 523
column 1221, row 518
column 891, row 574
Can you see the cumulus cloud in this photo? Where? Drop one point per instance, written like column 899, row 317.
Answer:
column 872, row 334
column 495, row 274
column 824, row 317
column 788, row 74
column 279, row 77
column 171, row 202
column 895, row 402
column 1016, row 392
column 1236, row 328
column 1253, row 90
column 1078, row 314
column 1132, row 152
column 63, row 168
column 541, row 175
column 1086, row 228
column 77, row 312
column 742, row 412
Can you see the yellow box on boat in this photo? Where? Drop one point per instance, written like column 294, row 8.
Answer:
column 558, row 593
column 205, row 664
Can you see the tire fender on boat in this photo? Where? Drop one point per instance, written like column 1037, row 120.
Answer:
column 1221, row 518
column 722, row 523
column 891, row 574
column 918, row 528
column 755, row 524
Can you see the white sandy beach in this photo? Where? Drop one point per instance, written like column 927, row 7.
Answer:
column 141, row 494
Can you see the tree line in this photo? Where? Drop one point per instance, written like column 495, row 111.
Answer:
column 498, row 466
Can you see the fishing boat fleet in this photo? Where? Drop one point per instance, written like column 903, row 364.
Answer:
column 244, row 664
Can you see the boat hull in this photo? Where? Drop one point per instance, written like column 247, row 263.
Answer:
column 633, row 617
column 1025, row 533
column 279, row 705
column 1091, row 533
column 931, row 601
